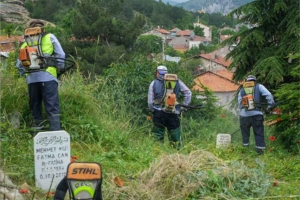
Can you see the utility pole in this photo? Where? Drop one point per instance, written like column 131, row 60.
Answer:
column 163, row 50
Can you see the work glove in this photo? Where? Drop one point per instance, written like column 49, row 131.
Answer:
column 271, row 106
column 268, row 110
column 183, row 109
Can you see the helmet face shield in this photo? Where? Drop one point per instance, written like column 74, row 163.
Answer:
column 251, row 78
column 162, row 69
column 36, row 23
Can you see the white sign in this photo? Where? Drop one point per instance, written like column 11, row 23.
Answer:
column 223, row 140
column 51, row 158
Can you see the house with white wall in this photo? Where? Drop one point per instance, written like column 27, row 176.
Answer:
column 213, row 62
column 206, row 29
column 182, row 40
column 221, row 83
column 196, row 41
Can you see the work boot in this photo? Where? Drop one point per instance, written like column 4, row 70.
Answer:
column 158, row 133
column 36, row 129
column 175, row 138
column 260, row 151
column 54, row 122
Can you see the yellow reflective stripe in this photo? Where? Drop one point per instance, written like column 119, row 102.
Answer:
column 170, row 84
column 47, row 47
column 84, row 188
column 52, row 71
column 249, row 90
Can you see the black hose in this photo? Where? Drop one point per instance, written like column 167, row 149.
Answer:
column 192, row 107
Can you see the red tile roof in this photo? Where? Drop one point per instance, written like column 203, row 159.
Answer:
column 162, row 31
column 224, row 37
column 225, row 73
column 216, row 82
column 11, row 38
column 7, row 44
column 184, row 33
column 199, row 38
column 175, row 29
column 181, row 47
column 218, row 59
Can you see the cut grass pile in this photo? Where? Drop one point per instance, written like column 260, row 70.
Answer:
column 196, row 175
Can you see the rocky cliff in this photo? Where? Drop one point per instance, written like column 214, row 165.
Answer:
column 13, row 11
column 212, row 6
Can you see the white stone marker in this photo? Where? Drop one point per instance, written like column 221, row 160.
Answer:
column 223, row 140
column 51, row 158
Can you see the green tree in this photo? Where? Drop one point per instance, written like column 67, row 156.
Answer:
column 268, row 50
column 185, row 22
column 191, row 65
column 199, row 31
column 192, row 52
column 172, row 52
column 146, row 44
column 227, row 32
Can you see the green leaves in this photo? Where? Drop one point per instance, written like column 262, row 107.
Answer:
column 270, row 69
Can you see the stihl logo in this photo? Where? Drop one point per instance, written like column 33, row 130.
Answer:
column 84, row 171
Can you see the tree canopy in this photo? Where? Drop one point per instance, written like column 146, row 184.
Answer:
column 270, row 51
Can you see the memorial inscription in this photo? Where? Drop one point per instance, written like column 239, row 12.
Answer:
column 51, row 158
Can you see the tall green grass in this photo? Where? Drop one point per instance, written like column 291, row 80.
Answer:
column 105, row 127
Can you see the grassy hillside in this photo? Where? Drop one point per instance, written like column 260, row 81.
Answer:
column 105, row 127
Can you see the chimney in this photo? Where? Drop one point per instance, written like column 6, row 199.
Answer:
column 213, row 56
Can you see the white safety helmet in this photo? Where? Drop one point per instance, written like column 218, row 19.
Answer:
column 251, row 78
column 162, row 69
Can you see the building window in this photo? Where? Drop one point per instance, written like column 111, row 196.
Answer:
column 227, row 99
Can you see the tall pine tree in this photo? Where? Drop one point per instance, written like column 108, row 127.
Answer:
column 270, row 50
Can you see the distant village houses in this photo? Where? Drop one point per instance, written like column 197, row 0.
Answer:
column 213, row 62
column 7, row 44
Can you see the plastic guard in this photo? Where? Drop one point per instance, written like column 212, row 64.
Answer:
column 245, row 101
column 170, row 77
column 248, row 84
column 84, row 179
column 170, row 100
column 24, row 55
column 33, row 31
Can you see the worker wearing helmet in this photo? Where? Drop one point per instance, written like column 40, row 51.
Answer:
column 161, row 118
column 249, row 99
column 43, row 83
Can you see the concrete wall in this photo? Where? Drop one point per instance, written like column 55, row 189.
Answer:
column 179, row 40
column 172, row 59
column 224, row 100
column 194, row 44
column 211, row 66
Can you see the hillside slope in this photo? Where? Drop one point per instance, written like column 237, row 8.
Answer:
column 213, row 6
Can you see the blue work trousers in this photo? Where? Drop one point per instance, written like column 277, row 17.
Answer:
column 256, row 122
column 47, row 93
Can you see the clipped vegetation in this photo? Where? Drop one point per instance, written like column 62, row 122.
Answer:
column 107, row 125
column 104, row 99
